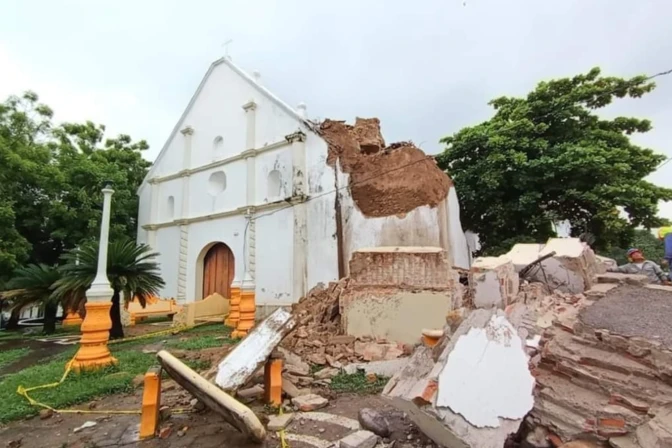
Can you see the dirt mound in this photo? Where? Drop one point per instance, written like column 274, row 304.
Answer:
column 384, row 181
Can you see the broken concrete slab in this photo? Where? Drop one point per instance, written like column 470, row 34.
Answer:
column 573, row 267
column 480, row 361
column 379, row 368
column 234, row 412
column 310, row 402
column 494, row 282
column 359, row 439
column 415, row 388
column 248, row 356
column 279, row 422
column 617, row 277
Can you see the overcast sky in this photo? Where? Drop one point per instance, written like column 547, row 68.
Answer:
column 425, row 68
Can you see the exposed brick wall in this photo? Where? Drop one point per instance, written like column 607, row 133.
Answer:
column 401, row 267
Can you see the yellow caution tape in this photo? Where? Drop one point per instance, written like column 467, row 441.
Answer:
column 281, row 433
column 23, row 391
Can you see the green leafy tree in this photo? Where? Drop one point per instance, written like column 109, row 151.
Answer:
column 549, row 157
column 33, row 285
column 50, row 182
column 653, row 248
column 131, row 270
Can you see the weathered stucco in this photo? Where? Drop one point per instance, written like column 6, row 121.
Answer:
column 396, row 316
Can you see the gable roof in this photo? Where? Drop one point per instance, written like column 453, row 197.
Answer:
column 267, row 93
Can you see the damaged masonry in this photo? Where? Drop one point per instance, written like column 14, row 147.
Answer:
column 536, row 348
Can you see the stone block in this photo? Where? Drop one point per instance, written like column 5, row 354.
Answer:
column 573, row 267
column 279, row 422
column 310, row 402
column 359, row 439
column 494, row 282
column 618, row 278
column 367, row 132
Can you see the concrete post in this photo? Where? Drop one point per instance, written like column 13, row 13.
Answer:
column 93, row 352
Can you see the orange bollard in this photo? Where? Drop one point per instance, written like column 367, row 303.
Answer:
column 72, row 319
column 273, row 382
column 248, row 310
column 234, row 310
column 151, row 403
column 93, row 353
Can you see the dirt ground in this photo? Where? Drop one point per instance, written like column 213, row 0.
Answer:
column 203, row 429
column 633, row 311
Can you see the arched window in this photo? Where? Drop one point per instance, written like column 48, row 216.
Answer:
column 170, row 208
column 218, row 148
column 274, row 185
column 216, row 183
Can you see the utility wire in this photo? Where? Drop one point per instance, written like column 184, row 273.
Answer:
column 428, row 157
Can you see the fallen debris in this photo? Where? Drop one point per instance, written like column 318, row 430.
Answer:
column 235, row 413
column 358, row 151
column 359, row 439
column 310, row 402
column 88, row 424
column 279, row 422
column 246, row 358
column 374, row 421
column 454, row 400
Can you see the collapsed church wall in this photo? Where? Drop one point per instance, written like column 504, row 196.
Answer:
column 392, row 195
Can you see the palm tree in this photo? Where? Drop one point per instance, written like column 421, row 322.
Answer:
column 131, row 269
column 34, row 284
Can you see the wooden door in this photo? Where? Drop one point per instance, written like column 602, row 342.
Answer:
column 218, row 271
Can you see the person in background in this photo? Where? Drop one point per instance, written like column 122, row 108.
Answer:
column 640, row 265
column 665, row 234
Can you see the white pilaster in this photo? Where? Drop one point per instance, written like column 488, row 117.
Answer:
column 299, row 189
column 153, row 212
column 188, row 132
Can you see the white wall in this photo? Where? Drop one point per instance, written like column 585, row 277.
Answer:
column 280, row 160
column 274, row 267
column 168, row 246
column 322, row 257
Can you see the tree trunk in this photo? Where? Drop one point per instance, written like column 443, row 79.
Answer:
column 13, row 322
column 117, row 330
column 50, row 310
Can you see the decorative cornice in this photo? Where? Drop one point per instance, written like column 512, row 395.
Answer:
column 296, row 136
column 243, row 155
column 250, row 105
column 187, row 131
column 245, row 210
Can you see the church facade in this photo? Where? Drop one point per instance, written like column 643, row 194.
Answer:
column 242, row 194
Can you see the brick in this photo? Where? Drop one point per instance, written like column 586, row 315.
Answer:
column 279, row 422
column 273, row 382
column 310, row 402
column 412, row 267
column 359, row 439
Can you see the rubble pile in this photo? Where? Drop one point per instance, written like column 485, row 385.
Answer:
column 605, row 373
column 319, row 338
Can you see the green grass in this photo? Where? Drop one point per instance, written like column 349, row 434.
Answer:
column 357, row 383
column 77, row 388
column 9, row 356
column 213, row 327
column 201, row 342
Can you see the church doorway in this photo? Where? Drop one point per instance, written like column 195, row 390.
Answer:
column 218, row 271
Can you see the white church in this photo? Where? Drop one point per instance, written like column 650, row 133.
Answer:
column 241, row 193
